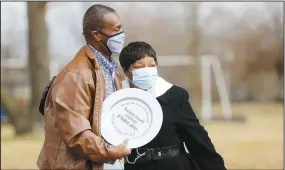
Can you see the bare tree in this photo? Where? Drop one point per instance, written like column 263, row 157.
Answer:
column 17, row 116
column 16, row 113
column 192, row 24
column 38, row 56
column 24, row 119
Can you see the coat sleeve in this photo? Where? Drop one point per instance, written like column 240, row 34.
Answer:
column 72, row 105
column 196, row 138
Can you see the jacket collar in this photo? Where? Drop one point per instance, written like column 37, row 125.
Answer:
column 91, row 56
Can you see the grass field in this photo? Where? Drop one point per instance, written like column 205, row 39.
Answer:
column 255, row 144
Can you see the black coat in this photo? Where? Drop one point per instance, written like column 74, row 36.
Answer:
column 180, row 124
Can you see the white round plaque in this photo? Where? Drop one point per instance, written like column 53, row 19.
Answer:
column 131, row 114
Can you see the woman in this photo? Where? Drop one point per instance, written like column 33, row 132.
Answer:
column 180, row 125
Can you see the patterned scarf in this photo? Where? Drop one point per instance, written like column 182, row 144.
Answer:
column 109, row 68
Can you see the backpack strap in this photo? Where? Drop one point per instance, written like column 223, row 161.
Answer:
column 44, row 96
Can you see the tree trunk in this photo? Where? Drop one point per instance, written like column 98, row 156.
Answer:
column 195, row 34
column 38, row 57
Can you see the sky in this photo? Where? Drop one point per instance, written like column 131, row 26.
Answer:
column 64, row 20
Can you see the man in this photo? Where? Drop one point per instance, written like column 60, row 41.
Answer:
column 73, row 103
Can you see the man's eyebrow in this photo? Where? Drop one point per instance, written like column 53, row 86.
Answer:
column 120, row 25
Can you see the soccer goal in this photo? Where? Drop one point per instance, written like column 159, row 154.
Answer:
column 211, row 64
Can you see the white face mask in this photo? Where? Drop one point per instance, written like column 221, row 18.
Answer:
column 144, row 78
column 115, row 43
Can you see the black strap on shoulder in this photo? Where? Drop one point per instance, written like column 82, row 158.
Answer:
column 44, row 96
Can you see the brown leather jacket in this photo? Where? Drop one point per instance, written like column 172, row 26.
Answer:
column 72, row 116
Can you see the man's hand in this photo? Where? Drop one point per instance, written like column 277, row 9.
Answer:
column 119, row 151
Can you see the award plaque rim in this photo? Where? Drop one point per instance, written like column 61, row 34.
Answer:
column 109, row 133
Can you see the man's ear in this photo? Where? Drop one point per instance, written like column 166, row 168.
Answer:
column 95, row 35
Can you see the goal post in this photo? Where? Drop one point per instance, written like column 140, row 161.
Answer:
column 211, row 63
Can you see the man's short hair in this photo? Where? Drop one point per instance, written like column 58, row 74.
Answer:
column 94, row 19
column 135, row 51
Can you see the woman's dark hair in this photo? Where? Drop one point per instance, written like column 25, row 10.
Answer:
column 135, row 51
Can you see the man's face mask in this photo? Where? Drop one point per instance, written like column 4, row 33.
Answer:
column 115, row 43
column 144, row 78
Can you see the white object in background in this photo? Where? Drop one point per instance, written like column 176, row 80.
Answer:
column 222, row 88
column 132, row 114
column 206, row 89
column 206, row 63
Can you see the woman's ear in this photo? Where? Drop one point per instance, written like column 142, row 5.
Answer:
column 128, row 74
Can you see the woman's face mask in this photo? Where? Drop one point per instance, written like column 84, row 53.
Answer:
column 144, row 78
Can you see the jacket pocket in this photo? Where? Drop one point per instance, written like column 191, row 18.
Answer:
column 65, row 159
column 48, row 157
